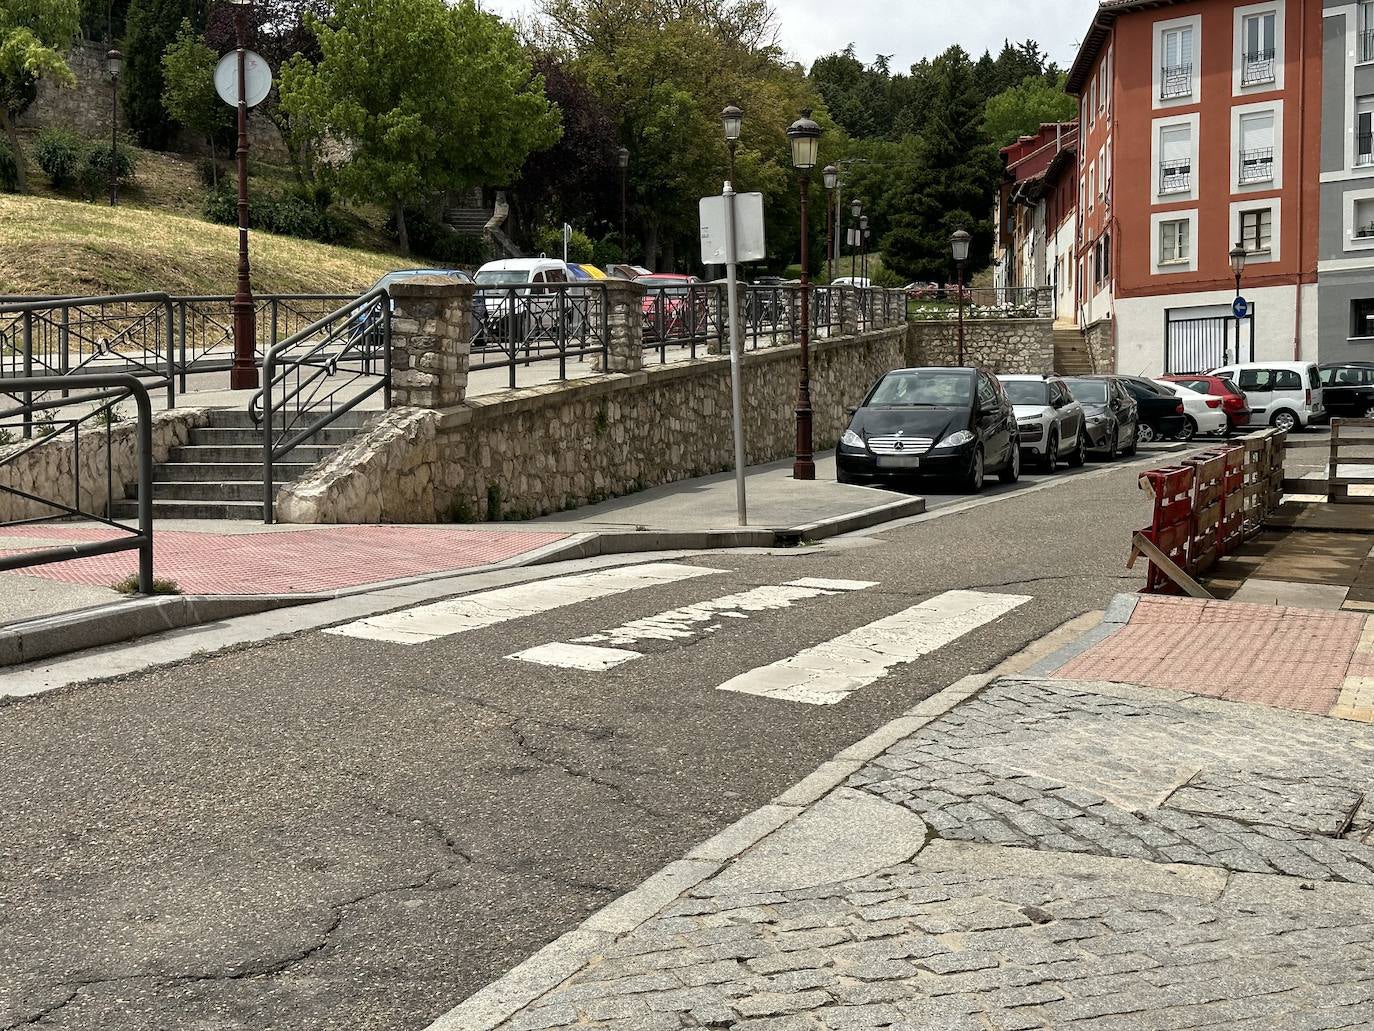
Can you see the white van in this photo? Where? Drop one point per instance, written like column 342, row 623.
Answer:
column 1287, row 395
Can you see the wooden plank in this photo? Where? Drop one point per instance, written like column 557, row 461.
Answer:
column 1144, row 546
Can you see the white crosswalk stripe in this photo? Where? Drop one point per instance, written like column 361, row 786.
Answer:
column 488, row 608
column 830, row 672
column 687, row 622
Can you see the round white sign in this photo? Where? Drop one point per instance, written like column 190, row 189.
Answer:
column 257, row 78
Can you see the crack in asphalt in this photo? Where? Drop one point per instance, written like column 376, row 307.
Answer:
column 43, row 1014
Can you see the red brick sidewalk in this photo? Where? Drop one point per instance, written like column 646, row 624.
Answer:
column 1309, row 660
column 287, row 562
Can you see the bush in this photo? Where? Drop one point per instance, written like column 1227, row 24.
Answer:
column 9, row 169
column 607, row 252
column 886, row 277
column 550, row 241
column 98, row 161
column 289, row 215
column 210, row 171
column 58, row 152
column 440, row 244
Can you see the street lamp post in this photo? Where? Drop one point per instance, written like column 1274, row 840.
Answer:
column 114, row 62
column 831, row 177
column 959, row 244
column 243, row 374
column 622, row 157
column 805, row 137
column 1238, row 256
column 856, row 208
column 732, row 119
column 863, row 247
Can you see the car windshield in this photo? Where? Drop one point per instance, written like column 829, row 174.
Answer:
column 1027, row 391
column 951, row 389
column 502, row 277
column 1089, row 391
column 665, row 287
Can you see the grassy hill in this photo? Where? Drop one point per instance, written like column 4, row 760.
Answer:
column 53, row 246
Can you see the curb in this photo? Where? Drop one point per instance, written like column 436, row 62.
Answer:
column 48, row 637
column 1118, row 614
column 493, row 1005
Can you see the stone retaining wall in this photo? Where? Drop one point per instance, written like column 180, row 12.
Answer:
column 1100, row 337
column 548, row 448
column 1000, row 345
column 49, row 470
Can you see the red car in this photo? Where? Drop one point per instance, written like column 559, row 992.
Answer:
column 1233, row 401
column 675, row 306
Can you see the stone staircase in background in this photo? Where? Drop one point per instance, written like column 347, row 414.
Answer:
column 1071, row 355
column 219, row 474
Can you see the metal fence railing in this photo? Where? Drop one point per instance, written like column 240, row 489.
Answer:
column 1175, row 81
column 515, row 326
column 82, row 412
column 317, row 374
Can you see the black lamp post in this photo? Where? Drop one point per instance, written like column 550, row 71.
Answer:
column 831, row 176
column 805, row 138
column 863, row 246
column 856, row 208
column 733, row 120
column 959, row 244
column 114, row 63
column 1238, row 256
column 622, row 157
column 243, row 374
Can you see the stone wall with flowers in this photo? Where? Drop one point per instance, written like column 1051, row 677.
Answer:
column 999, row 345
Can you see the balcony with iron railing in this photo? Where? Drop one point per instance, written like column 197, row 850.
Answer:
column 1365, row 232
column 1258, row 67
column 1175, row 81
column 1364, row 148
column 1365, row 47
column 1175, row 176
column 1257, row 165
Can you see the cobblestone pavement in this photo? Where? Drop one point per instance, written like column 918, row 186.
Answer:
column 1099, row 857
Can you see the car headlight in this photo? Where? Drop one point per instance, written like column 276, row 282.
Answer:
column 852, row 439
column 957, row 439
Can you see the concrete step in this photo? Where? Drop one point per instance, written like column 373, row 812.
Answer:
column 240, row 454
column 191, row 510
column 210, row 490
column 217, row 436
column 226, row 472
column 238, row 418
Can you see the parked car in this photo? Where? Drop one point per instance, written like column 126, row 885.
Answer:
column 1111, row 415
column 1161, row 414
column 400, row 275
column 858, row 281
column 623, row 271
column 674, row 306
column 1049, row 421
column 1348, row 390
column 1201, row 412
column 583, row 271
column 952, row 422
column 1233, row 401
column 520, row 301
column 1286, row 395
column 922, row 291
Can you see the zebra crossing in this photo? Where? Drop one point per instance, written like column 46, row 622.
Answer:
column 824, row 674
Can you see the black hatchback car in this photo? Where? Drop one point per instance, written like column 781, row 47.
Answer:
column 1161, row 411
column 1348, row 390
column 949, row 422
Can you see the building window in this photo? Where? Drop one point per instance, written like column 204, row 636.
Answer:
column 1092, row 106
column 1176, row 75
column 1176, row 162
column 1257, row 230
column 1106, row 256
column 1092, row 185
column 1362, row 317
column 1257, row 148
column 1259, row 55
column 1366, row 42
column 1175, row 242
column 1363, row 228
column 1364, row 131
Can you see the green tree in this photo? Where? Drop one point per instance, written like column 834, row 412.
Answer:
column 188, row 88
column 424, row 97
column 151, row 27
column 1020, row 110
column 34, row 36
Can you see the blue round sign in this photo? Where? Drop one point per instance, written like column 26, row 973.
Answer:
column 1241, row 307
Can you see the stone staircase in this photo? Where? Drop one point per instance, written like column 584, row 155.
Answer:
column 1071, row 355
column 219, row 474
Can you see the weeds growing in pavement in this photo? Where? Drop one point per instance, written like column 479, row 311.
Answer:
column 129, row 585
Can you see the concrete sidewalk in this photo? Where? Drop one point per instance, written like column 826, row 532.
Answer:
column 1049, row 848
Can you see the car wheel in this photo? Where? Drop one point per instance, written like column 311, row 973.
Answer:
column 971, row 482
column 1284, row 420
column 1189, row 430
column 1145, row 433
column 1079, row 458
column 1114, row 448
column 1011, row 472
column 1050, row 462
column 1369, row 412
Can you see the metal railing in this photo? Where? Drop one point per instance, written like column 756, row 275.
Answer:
column 1365, row 232
column 91, row 401
column 1366, row 46
column 515, row 326
column 316, row 375
column 934, row 304
column 1258, row 67
column 1364, row 148
column 205, row 326
column 1175, row 81
column 1175, row 176
column 1257, row 165
column 680, row 320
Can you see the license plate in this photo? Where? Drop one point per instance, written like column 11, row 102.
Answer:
column 899, row 462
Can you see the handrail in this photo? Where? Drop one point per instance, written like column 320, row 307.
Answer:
column 263, row 408
column 108, row 387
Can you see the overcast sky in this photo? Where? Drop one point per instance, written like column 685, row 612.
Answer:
column 911, row 29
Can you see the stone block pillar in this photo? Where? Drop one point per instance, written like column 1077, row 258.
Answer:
column 431, row 341
column 625, row 326
column 848, row 300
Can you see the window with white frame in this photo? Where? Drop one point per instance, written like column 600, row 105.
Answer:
column 1176, row 73
column 1365, row 50
column 1175, row 241
column 1092, row 185
column 1257, row 230
column 1259, row 48
column 1364, row 131
column 1176, row 159
column 1256, row 147
column 1092, row 102
column 1102, row 173
column 1362, row 227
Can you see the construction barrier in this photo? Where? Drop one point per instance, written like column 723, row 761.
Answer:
column 1206, row 507
column 1352, row 456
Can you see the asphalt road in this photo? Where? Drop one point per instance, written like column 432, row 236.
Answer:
column 328, row 832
